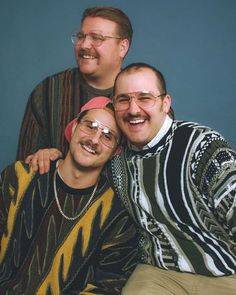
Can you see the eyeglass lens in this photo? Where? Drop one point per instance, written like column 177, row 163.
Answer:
column 142, row 99
column 79, row 38
column 91, row 127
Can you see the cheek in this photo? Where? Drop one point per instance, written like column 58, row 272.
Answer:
column 107, row 52
column 77, row 136
column 119, row 116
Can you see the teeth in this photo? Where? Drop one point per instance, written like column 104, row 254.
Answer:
column 88, row 149
column 136, row 121
column 88, row 56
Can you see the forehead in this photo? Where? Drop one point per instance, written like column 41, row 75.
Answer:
column 104, row 117
column 136, row 80
column 98, row 25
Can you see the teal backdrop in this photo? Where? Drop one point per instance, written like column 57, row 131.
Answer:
column 193, row 42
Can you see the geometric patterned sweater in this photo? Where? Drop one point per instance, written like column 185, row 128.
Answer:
column 53, row 103
column 43, row 253
column 182, row 192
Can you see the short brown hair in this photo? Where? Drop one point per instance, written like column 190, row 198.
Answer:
column 115, row 15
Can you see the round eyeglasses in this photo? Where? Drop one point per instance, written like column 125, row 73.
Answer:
column 90, row 127
column 144, row 99
column 95, row 39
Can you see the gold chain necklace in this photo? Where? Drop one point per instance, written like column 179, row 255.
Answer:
column 58, row 203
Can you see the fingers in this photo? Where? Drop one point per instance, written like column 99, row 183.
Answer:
column 55, row 154
column 29, row 159
column 40, row 161
column 37, row 161
column 44, row 161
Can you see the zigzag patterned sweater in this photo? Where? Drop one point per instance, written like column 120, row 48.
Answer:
column 43, row 253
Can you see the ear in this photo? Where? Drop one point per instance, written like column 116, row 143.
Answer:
column 124, row 47
column 166, row 103
column 73, row 129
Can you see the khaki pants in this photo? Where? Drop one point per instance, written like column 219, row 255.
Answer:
column 150, row 280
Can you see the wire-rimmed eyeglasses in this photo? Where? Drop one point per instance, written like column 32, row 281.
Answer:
column 95, row 39
column 90, row 127
column 144, row 99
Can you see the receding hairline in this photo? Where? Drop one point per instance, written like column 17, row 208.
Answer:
column 136, row 68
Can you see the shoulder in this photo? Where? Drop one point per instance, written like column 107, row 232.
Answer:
column 68, row 74
column 206, row 149
column 17, row 168
column 65, row 73
column 17, row 175
column 200, row 139
column 189, row 125
column 55, row 86
column 22, row 172
column 197, row 132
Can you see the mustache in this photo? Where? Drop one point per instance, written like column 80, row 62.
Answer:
column 90, row 144
column 87, row 52
column 134, row 116
column 87, row 142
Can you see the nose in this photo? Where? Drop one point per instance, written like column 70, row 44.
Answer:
column 96, row 137
column 133, row 106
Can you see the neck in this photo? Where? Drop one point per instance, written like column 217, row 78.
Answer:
column 77, row 177
column 101, row 81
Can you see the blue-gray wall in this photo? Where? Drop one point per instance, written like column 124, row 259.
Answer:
column 193, row 42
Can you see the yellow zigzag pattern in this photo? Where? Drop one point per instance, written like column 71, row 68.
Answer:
column 66, row 249
column 24, row 178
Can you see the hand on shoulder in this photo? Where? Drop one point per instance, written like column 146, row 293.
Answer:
column 40, row 161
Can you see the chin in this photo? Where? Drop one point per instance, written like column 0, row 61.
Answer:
column 87, row 62
column 84, row 165
column 86, row 70
column 139, row 143
column 137, row 140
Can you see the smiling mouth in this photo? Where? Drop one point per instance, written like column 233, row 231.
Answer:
column 87, row 55
column 88, row 149
column 136, row 122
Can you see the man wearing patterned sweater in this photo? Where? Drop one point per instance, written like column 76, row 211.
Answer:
column 178, row 180
column 66, row 232
column 100, row 46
